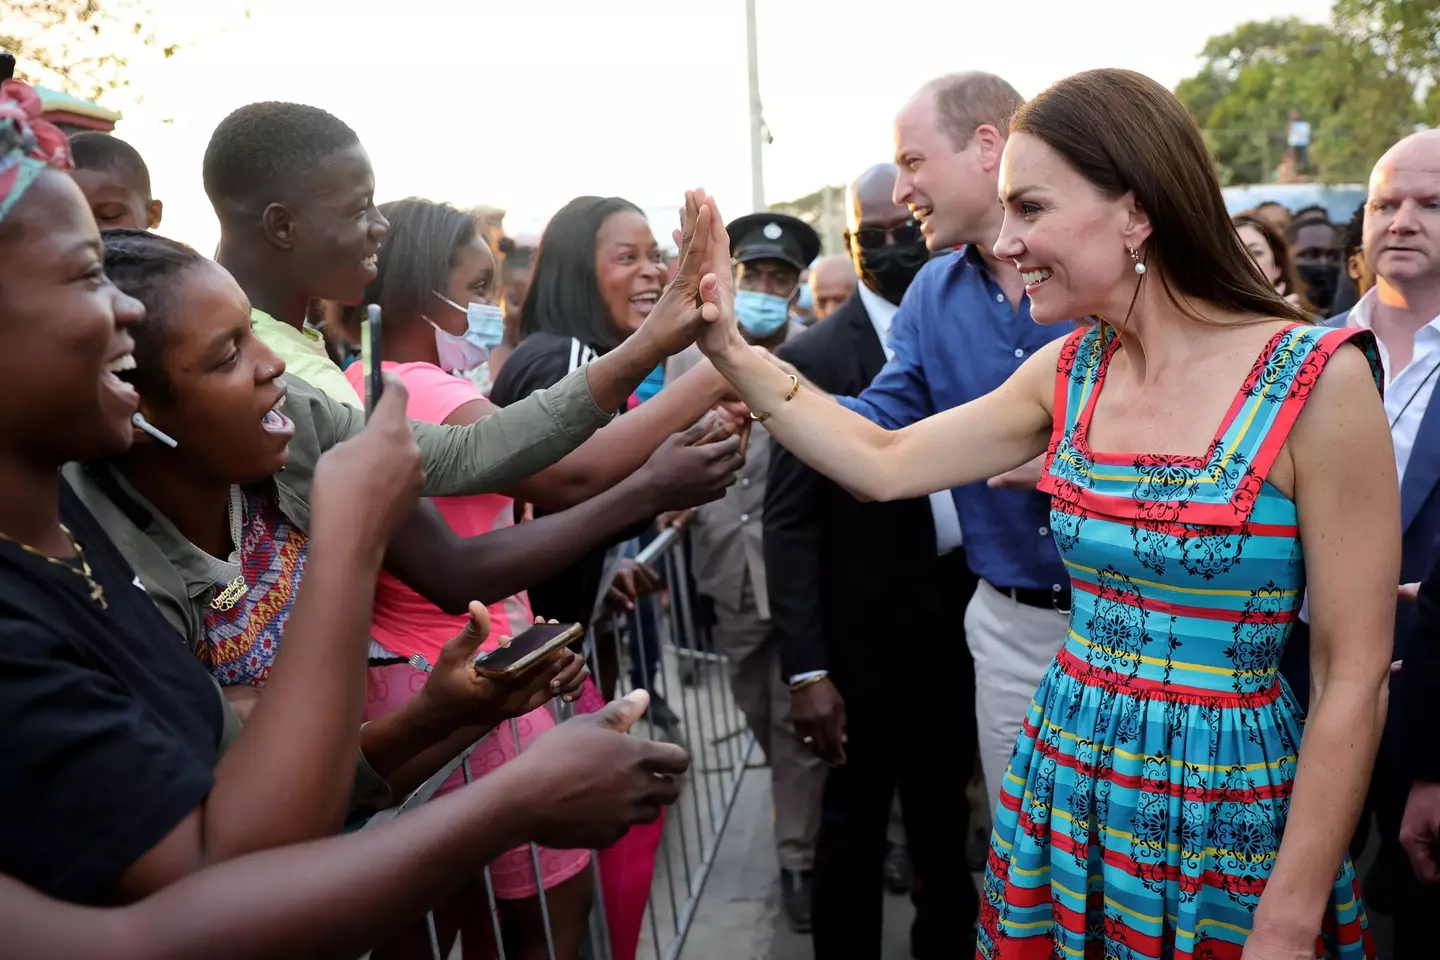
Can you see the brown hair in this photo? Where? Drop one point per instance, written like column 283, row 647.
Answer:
column 1280, row 251
column 1125, row 133
column 964, row 101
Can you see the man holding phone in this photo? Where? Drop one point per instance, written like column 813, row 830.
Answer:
column 770, row 251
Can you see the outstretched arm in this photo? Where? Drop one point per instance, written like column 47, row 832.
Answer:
column 617, row 450
column 967, row 444
column 580, row 785
column 451, row 571
column 981, row 439
column 1347, row 496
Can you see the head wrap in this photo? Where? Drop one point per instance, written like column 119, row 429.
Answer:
column 28, row 144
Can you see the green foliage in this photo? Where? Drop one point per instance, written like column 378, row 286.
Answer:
column 81, row 47
column 1356, row 101
column 1405, row 32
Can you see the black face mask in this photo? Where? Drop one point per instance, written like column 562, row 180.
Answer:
column 1320, row 280
column 888, row 270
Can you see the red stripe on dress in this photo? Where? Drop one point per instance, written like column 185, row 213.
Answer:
column 1158, row 690
column 1183, row 531
column 1267, row 791
column 1061, row 403
column 1262, row 617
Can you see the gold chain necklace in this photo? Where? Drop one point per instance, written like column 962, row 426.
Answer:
column 236, row 589
column 97, row 592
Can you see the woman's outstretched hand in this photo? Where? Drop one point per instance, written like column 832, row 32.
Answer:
column 719, row 334
column 673, row 324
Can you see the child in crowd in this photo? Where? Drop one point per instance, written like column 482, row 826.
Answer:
column 115, row 181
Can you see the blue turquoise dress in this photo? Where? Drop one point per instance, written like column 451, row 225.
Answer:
column 1144, row 804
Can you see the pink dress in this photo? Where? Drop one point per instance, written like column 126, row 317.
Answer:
column 404, row 623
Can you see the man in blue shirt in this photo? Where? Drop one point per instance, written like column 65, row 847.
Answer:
column 963, row 328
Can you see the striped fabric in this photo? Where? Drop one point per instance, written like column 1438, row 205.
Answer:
column 1144, row 805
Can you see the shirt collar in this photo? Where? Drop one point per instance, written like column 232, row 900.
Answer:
column 307, row 340
column 1362, row 315
column 882, row 312
column 198, row 569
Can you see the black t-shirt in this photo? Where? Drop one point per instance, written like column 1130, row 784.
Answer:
column 109, row 727
column 543, row 360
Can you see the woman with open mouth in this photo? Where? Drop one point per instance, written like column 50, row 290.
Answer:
column 598, row 276
column 93, row 688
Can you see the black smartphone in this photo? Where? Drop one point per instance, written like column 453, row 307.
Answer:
column 528, row 649
column 370, row 357
column 7, row 65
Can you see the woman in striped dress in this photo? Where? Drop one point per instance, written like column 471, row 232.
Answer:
column 1159, row 803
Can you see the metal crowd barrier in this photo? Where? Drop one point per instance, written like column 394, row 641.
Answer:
column 693, row 679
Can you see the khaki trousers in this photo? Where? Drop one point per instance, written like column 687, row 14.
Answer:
column 797, row 776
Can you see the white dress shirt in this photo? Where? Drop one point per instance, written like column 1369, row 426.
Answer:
column 942, row 505
column 1407, row 392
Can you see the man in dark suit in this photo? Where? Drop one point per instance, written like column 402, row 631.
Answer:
column 1402, row 247
column 868, row 603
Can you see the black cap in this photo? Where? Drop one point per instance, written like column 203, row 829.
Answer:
column 773, row 236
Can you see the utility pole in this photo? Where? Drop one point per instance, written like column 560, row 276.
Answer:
column 758, row 134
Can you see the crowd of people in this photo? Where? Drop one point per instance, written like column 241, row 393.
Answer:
column 241, row 612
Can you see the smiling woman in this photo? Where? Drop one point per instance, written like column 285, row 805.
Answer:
column 93, row 687
column 598, row 274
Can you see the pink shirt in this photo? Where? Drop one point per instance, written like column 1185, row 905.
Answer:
column 404, row 622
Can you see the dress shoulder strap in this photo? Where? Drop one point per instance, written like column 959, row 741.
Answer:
column 1077, row 374
column 1270, row 401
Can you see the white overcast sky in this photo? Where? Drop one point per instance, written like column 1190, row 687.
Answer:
column 525, row 104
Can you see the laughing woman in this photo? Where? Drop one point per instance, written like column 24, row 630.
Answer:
column 112, row 779
column 1160, row 801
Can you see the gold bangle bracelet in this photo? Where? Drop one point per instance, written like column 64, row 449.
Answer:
column 808, row 681
column 794, row 389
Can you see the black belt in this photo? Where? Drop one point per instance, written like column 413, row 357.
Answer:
column 1052, row 599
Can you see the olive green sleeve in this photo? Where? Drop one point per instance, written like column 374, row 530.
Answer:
column 369, row 789
column 505, row 448
column 488, row 456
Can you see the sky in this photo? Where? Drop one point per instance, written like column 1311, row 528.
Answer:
column 524, row 105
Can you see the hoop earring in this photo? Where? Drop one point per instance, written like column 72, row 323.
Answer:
column 1139, row 265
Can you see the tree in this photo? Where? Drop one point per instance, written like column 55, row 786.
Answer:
column 1406, row 33
column 1252, row 77
column 82, row 47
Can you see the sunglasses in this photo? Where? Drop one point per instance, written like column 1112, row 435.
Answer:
column 869, row 238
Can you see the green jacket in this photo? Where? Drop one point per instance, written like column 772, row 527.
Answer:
column 492, row 455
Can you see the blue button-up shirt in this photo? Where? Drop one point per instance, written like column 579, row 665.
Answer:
column 957, row 338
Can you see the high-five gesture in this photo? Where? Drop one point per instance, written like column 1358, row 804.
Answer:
column 675, row 321
column 672, row 325
column 719, row 333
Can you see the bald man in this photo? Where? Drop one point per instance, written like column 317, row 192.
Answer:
column 832, row 281
column 1402, row 246
column 862, row 596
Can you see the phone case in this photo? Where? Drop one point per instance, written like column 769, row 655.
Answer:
column 530, row 659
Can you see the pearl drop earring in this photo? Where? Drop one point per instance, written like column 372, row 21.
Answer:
column 1134, row 255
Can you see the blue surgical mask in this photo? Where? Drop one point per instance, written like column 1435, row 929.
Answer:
column 484, row 331
column 807, row 299
column 761, row 314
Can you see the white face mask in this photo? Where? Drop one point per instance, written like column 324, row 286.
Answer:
column 484, row 330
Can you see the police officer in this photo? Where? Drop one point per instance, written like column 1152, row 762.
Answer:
column 770, row 251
